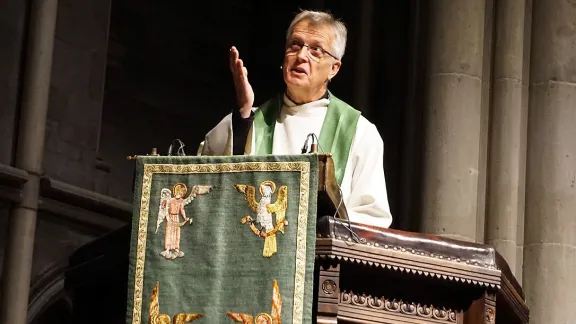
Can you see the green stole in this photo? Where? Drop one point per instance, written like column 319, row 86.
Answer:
column 336, row 134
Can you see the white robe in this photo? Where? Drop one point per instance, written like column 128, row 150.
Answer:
column 363, row 186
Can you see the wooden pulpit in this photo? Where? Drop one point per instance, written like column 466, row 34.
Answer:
column 370, row 275
column 362, row 274
column 376, row 275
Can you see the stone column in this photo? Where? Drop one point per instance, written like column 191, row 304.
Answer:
column 508, row 132
column 550, row 224
column 30, row 150
column 453, row 117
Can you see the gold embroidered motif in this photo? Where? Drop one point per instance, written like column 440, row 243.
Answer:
column 171, row 208
column 156, row 318
column 241, row 318
column 154, row 309
column 186, row 318
column 275, row 316
column 263, row 318
column 264, row 210
column 300, row 261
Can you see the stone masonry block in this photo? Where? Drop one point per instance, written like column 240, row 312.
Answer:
column 54, row 243
column 551, row 165
column 97, row 77
column 71, row 67
column 554, row 34
column 457, row 31
column 509, row 45
column 7, row 122
column 549, row 283
column 83, row 23
column 57, row 103
column 451, row 155
column 13, row 14
column 505, row 203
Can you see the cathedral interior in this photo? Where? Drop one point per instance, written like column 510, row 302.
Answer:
column 129, row 76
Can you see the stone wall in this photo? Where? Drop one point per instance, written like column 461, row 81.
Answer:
column 73, row 126
column 76, row 92
column 12, row 20
column 4, row 229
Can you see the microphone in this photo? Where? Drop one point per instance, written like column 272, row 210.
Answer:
column 313, row 146
column 180, row 151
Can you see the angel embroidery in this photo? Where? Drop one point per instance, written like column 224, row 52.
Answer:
column 275, row 316
column 264, row 209
column 171, row 208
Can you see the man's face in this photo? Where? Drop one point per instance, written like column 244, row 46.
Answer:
column 304, row 72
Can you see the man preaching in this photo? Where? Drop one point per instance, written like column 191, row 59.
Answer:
column 315, row 44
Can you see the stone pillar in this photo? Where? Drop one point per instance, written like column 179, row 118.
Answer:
column 453, row 117
column 508, row 132
column 525, row 103
column 30, row 149
column 550, row 224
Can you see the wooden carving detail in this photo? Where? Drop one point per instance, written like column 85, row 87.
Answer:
column 398, row 306
column 329, row 287
column 358, row 260
column 490, row 307
column 490, row 316
column 408, row 251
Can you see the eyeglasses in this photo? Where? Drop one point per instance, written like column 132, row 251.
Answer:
column 314, row 52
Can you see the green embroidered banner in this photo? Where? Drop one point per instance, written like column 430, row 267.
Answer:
column 223, row 240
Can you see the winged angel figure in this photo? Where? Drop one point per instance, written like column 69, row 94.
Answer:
column 275, row 316
column 172, row 205
column 264, row 209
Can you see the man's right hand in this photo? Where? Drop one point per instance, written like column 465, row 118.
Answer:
column 244, row 92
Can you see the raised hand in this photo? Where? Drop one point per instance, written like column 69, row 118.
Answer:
column 244, row 92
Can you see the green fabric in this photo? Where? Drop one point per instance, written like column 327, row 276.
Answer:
column 336, row 135
column 223, row 268
column 264, row 122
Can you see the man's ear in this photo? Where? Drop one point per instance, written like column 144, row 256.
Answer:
column 334, row 70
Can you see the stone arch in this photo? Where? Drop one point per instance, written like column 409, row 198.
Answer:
column 49, row 301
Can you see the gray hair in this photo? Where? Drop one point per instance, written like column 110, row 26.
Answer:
column 324, row 18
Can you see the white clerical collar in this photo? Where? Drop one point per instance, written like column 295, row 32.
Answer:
column 307, row 107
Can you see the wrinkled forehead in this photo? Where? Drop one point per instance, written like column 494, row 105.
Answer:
column 311, row 31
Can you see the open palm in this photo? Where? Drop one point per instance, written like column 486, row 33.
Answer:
column 244, row 92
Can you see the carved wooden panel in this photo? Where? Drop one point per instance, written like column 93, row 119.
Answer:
column 490, row 308
column 328, row 293
column 367, row 309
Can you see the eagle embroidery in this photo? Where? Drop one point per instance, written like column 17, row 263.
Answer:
column 264, row 209
column 172, row 205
